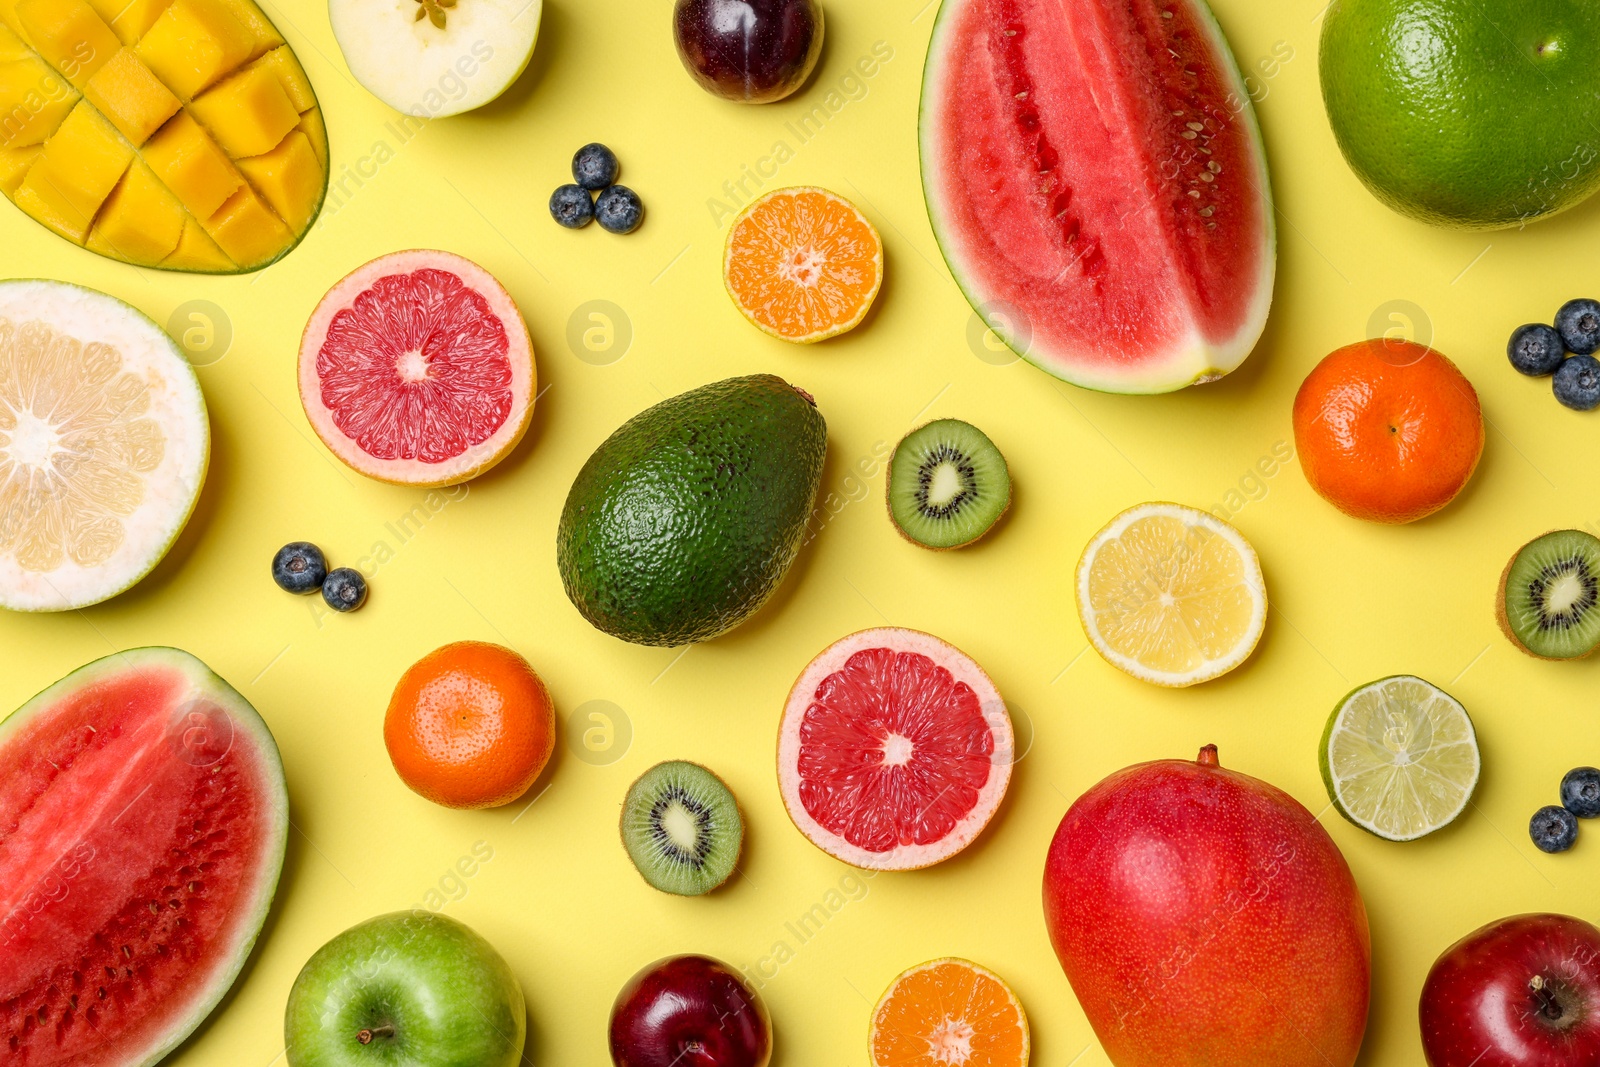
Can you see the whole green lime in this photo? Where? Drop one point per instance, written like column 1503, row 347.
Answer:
column 1467, row 113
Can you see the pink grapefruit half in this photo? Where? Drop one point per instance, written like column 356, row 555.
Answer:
column 895, row 750
column 417, row 369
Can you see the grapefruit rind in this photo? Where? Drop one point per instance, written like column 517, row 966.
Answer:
column 963, row 669
column 175, row 403
column 1194, row 359
column 981, row 973
column 252, row 911
column 477, row 459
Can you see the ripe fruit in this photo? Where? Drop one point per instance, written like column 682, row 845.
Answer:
column 947, row 485
column 1578, row 323
column 1097, row 183
column 1399, row 758
column 948, row 1011
column 344, row 589
column 1461, row 114
column 1536, row 349
column 299, row 567
column 802, row 264
column 894, row 751
column 689, row 1011
column 1171, row 595
column 1521, row 992
column 571, row 207
column 757, row 52
column 618, row 209
column 1175, row 892
column 728, row 474
column 1548, row 602
column 1577, row 383
column 196, row 144
column 1580, row 792
column 432, row 58
column 104, row 443
column 594, row 166
column 154, row 731
column 1553, row 829
column 681, row 827
column 410, row 987
column 1387, row 430
column 470, row 725
column 417, row 369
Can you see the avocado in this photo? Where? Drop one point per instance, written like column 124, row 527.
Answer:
column 685, row 520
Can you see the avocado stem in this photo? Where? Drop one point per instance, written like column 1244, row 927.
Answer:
column 1208, row 757
column 366, row 1036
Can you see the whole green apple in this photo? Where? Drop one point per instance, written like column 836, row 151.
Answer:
column 408, row 989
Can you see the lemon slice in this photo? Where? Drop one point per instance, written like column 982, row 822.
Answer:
column 1171, row 595
column 1400, row 758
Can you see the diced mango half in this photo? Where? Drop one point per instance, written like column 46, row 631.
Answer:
column 133, row 98
column 189, row 163
column 193, row 45
column 77, row 170
column 130, row 19
column 141, row 221
column 247, row 230
column 196, row 251
column 291, row 75
column 34, row 100
column 248, row 114
column 70, row 35
column 290, row 177
column 14, row 164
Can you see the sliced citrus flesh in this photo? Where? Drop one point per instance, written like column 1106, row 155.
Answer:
column 894, row 751
column 803, row 264
column 1400, row 758
column 949, row 1013
column 1171, row 595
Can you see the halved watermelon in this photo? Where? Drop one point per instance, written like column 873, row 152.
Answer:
column 1096, row 181
column 143, row 817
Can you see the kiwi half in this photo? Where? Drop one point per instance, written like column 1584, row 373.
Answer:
column 681, row 827
column 1549, row 598
column 947, row 484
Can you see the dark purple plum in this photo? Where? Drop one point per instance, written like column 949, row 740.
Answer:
column 689, row 1011
column 756, row 51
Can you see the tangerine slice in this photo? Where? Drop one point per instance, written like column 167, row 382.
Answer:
column 948, row 1013
column 803, row 264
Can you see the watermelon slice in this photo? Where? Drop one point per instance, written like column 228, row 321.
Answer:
column 1096, row 181
column 142, row 825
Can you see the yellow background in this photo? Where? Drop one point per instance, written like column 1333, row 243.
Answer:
column 1351, row 601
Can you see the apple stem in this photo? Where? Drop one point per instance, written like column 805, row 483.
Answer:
column 1549, row 1004
column 1208, row 757
column 366, row 1036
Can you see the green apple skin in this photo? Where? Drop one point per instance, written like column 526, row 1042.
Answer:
column 424, row 990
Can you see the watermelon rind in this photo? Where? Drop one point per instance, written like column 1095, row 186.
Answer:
column 1192, row 364
column 270, row 778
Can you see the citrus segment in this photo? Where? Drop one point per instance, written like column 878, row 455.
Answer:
column 949, row 1013
column 894, row 751
column 1400, row 758
column 803, row 264
column 1171, row 595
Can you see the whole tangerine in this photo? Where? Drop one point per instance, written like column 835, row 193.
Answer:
column 1387, row 430
column 470, row 725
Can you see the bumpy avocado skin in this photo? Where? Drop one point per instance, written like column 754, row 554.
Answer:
column 685, row 520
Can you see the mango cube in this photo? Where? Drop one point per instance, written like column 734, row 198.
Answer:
column 247, row 230
column 12, row 46
column 286, row 68
column 130, row 19
column 248, row 114
column 69, row 34
column 190, row 164
column 193, row 45
column 131, row 97
column 263, row 34
column 312, row 126
column 33, row 101
column 46, row 206
column 14, row 164
column 290, row 177
column 78, row 168
column 197, row 251
column 141, row 221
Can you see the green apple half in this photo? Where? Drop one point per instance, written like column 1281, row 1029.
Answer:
column 407, row 989
column 431, row 58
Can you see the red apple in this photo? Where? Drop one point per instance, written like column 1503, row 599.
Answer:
column 1521, row 992
column 1204, row 917
column 689, row 1011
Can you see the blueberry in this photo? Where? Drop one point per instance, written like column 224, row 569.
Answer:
column 570, row 205
column 1536, row 349
column 1580, row 792
column 1577, row 383
column 1553, row 829
column 299, row 567
column 1578, row 322
column 618, row 209
column 344, row 589
column 594, row 167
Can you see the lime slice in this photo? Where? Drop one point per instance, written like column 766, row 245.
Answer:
column 1400, row 758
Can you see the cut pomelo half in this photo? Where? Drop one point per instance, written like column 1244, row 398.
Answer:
column 1171, row 594
column 1095, row 177
column 144, row 816
column 418, row 369
column 432, row 58
column 104, row 443
column 948, row 1013
column 803, row 264
column 1399, row 758
column 895, row 750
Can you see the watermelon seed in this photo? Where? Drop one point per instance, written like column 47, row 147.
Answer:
column 1195, row 193
column 1214, row 167
column 111, row 972
column 73, row 1000
column 1206, row 211
column 101, row 991
column 1207, row 176
column 1166, row 14
column 1204, row 149
column 194, row 887
column 1195, row 126
column 43, row 1014
column 155, row 909
column 1189, row 135
column 127, row 953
